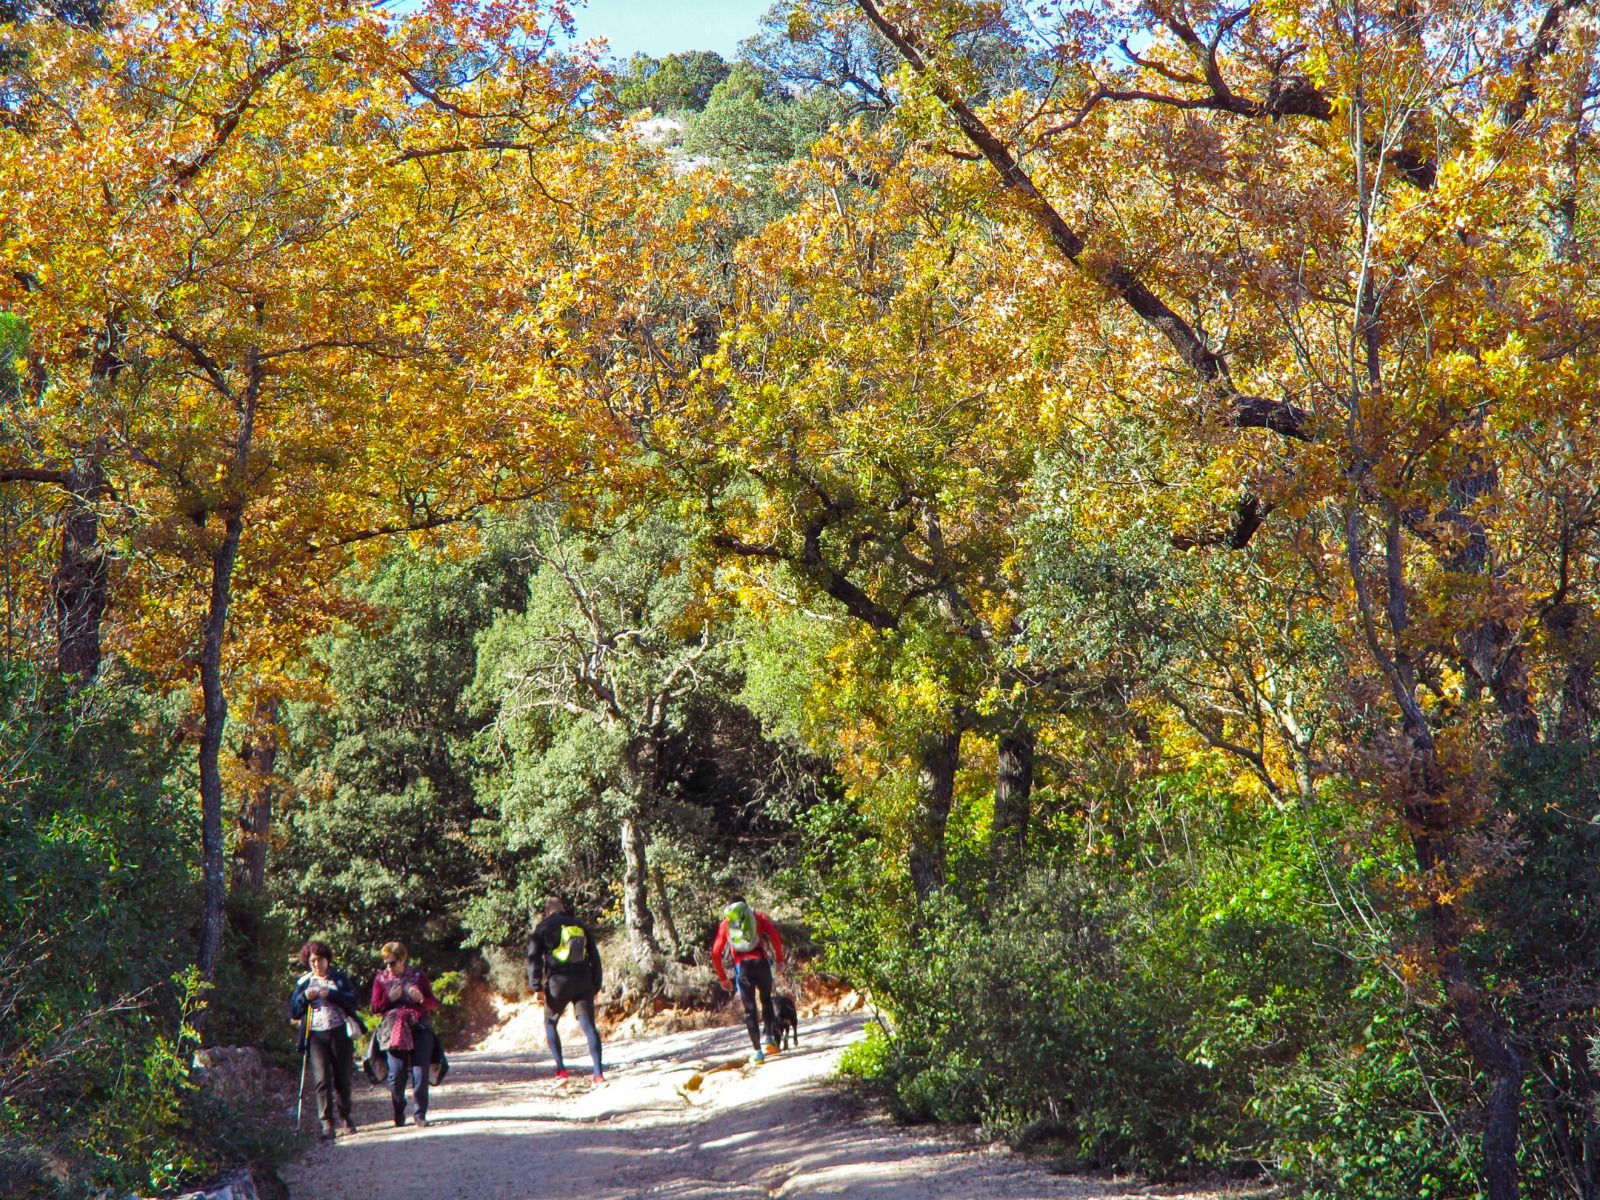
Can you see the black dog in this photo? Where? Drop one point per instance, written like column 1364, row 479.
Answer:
column 788, row 1021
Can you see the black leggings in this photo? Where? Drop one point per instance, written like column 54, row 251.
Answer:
column 751, row 977
column 332, row 1058
column 577, row 991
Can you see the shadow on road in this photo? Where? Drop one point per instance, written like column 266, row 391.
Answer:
column 502, row 1129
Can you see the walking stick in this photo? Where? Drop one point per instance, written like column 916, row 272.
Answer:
column 305, row 1057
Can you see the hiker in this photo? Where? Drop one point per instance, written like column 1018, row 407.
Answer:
column 745, row 934
column 403, row 996
column 331, row 999
column 564, row 968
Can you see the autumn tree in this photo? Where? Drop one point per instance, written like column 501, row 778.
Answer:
column 72, row 471
column 246, row 244
column 1332, row 253
column 863, row 449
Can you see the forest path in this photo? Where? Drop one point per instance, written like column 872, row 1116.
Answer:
column 502, row 1129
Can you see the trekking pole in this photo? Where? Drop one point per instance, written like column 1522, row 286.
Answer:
column 305, row 1057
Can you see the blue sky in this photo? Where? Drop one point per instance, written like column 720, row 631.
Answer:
column 662, row 26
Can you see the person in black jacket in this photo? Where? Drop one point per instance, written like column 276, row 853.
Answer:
column 564, row 968
column 330, row 997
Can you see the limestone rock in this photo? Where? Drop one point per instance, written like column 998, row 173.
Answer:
column 234, row 1187
column 231, row 1073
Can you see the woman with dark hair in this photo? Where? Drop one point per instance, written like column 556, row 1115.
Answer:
column 404, row 996
column 328, row 995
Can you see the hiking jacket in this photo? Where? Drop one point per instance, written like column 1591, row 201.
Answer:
column 766, row 932
column 411, row 975
column 546, row 940
column 344, row 994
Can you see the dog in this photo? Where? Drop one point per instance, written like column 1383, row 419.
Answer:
column 788, row 1021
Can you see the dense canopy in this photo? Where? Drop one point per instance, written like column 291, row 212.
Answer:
column 1087, row 509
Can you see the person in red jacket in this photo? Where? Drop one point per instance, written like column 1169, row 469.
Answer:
column 745, row 935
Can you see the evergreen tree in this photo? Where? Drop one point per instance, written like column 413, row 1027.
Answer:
column 677, row 83
column 380, row 836
column 750, row 119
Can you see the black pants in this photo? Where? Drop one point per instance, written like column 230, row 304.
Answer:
column 578, row 991
column 754, row 977
column 415, row 1063
column 332, row 1058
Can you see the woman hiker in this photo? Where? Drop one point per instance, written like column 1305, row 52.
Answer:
column 331, row 999
column 402, row 995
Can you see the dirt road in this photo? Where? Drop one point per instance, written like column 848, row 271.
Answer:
column 502, row 1129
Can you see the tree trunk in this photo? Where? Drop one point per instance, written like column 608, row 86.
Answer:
column 1504, row 1068
column 673, row 940
column 1433, row 816
column 79, row 584
column 1437, row 854
column 1490, row 651
column 255, row 825
column 640, row 760
column 636, row 914
column 215, row 718
column 5, row 548
column 937, row 759
column 1013, row 794
column 1491, row 654
column 1586, row 1153
column 1571, row 630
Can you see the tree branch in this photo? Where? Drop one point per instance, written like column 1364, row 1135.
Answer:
column 33, row 475
column 1545, row 43
column 225, row 122
column 1250, row 412
column 440, row 151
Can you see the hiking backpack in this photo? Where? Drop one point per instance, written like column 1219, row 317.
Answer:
column 743, row 935
column 573, row 948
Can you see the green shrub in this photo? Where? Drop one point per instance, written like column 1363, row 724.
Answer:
column 1366, row 1118
column 94, row 1032
column 1030, row 1018
column 449, row 989
column 1134, row 1006
column 867, row 1058
column 97, row 1004
column 144, row 1137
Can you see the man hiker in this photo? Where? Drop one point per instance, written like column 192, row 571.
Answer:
column 745, row 934
column 564, row 968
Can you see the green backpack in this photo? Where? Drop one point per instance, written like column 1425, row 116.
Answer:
column 574, row 947
column 743, row 935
